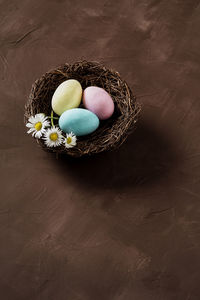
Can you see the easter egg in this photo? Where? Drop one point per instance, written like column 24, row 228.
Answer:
column 98, row 101
column 67, row 95
column 79, row 121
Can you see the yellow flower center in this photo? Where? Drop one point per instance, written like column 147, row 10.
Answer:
column 54, row 136
column 38, row 126
column 69, row 140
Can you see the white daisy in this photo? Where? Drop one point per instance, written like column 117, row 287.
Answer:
column 53, row 137
column 70, row 140
column 37, row 125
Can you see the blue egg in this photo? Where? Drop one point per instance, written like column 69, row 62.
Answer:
column 79, row 121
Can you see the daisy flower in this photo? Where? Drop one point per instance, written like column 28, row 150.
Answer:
column 53, row 137
column 70, row 140
column 37, row 125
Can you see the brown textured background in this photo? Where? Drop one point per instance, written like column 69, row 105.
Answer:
column 122, row 225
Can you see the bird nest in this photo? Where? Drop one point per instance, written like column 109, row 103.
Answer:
column 111, row 132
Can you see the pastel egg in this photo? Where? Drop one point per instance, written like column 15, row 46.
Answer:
column 79, row 121
column 67, row 96
column 98, row 101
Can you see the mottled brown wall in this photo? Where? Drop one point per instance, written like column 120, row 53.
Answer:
column 122, row 225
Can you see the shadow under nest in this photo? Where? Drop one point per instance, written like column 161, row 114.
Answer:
column 145, row 158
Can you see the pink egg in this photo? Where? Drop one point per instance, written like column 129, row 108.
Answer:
column 98, row 101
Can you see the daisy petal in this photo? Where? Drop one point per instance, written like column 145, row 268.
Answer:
column 29, row 125
column 46, row 123
column 38, row 134
column 31, row 119
column 30, row 130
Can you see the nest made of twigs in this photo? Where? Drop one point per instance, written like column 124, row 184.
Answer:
column 111, row 132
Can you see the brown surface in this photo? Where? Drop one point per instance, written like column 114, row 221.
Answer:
column 119, row 226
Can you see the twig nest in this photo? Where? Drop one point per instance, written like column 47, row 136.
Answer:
column 111, row 132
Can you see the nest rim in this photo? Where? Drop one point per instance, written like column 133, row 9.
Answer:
column 113, row 131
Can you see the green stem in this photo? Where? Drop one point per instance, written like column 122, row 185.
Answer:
column 56, row 118
column 52, row 118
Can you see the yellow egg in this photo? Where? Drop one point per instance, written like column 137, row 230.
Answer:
column 67, row 96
